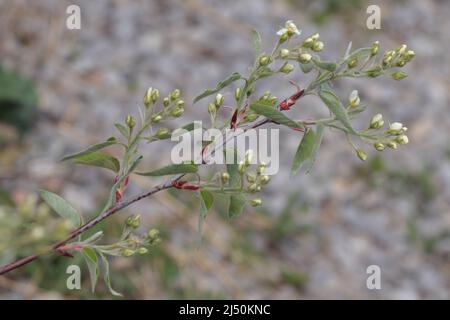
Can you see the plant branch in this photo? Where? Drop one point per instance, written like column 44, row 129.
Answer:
column 117, row 207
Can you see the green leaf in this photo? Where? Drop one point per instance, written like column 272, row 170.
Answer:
column 222, row 84
column 256, row 40
column 90, row 256
column 326, row 65
column 125, row 131
column 61, row 207
column 304, row 151
column 171, row 169
column 306, row 67
column 318, row 136
column 334, row 104
column 98, row 159
column 237, row 203
column 208, row 198
column 232, row 169
column 135, row 163
column 206, row 202
column 359, row 54
column 107, row 277
column 264, row 109
column 264, row 72
column 111, row 141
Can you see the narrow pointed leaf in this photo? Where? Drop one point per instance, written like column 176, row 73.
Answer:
column 90, row 257
column 237, row 203
column 337, row 109
column 171, row 169
column 111, row 141
column 107, row 277
column 98, row 159
column 206, row 202
column 273, row 114
column 125, row 131
column 318, row 136
column 304, row 151
column 61, row 207
column 256, row 40
column 222, row 84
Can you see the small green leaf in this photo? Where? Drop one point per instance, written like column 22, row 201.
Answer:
column 264, row 72
column 222, row 84
column 125, row 131
column 326, row 65
column 264, row 109
column 232, row 168
column 98, row 159
column 171, row 169
column 318, row 136
column 107, row 277
column 206, row 202
column 111, row 141
column 306, row 67
column 334, row 104
column 135, row 163
column 237, row 203
column 90, row 256
column 208, row 198
column 256, row 40
column 61, row 207
column 304, row 151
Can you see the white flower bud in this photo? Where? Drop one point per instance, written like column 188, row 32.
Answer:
column 353, row 99
column 403, row 139
column 376, row 121
column 284, row 53
column 395, row 126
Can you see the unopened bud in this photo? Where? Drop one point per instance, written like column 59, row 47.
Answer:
column 219, row 100
column 395, row 128
column 304, row 58
column 252, row 187
column 354, row 99
column 153, row 234
column 399, row 75
column 211, row 108
column 180, row 103
column 166, row 102
column 284, row 37
column 352, row 63
column 225, row 177
column 361, row 154
column 264, row 60
column 127, row 252
column 409, row 55
column 317, row 46
column 142, row 250
column 402, row 139
column 377, row 121
column 241, row 167
column 148, row 97
column 162, row 133
column 287, row 68
column 265, row 179
column 392, row 145
column 308, row 42
column 175, row 94
column 156, row 118
column 177, row 112
column 130, row 122
column 256, row 202
column 375, row 47
column 237, row 94
column 155, row 95
column 133, row 221
column 378, row 146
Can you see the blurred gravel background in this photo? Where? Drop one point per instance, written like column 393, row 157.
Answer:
column 317, row 233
